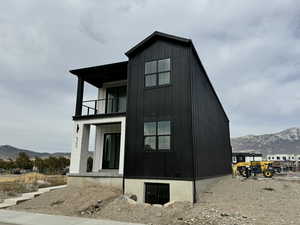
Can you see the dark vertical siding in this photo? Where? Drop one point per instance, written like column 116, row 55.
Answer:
column 211, row 139
column 171, row 102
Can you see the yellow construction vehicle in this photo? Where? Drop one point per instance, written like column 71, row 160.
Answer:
column 246, row 169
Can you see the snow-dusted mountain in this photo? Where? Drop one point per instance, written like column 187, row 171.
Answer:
column 286, row 141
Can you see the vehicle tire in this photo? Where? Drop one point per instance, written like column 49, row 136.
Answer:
column 245, row 172
column 268, row 174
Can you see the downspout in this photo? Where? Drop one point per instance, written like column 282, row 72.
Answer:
column 192, row 131
column 125, row 147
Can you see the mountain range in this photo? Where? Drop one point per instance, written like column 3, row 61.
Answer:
column 283, row 142
column 10, row 152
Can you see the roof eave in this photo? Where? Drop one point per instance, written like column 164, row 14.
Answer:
column 156, row 34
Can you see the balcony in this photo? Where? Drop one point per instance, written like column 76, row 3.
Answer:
column 110, row 85
column 104, row 106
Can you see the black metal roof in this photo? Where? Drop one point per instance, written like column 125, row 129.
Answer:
column 97, row 75
column 154, row 36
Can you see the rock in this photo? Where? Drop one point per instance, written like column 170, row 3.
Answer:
column 169, row 204
column 133, row 197
column 129, row 196
column 157, row 205
column 132, row 202
column 224, row 214
column 146, row 204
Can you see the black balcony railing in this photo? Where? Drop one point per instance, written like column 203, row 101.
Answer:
column 104, row 106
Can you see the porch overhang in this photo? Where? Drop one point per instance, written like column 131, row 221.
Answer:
column 97, row 75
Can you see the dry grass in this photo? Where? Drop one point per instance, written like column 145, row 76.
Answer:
column 33, row 178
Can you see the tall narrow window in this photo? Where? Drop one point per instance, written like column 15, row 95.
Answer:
column 157, row 136
column 157, row 72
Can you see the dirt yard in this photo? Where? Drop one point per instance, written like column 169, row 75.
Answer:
column 230, row 201
column 15, row 185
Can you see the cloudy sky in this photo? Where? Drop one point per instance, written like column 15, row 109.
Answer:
column 250, row 49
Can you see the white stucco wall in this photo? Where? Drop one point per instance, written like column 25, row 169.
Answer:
column 80, row 147
column 80, row 142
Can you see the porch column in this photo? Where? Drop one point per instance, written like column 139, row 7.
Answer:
column 122, row 146
column 79, row 98
column 97, row 163
column 80, row 148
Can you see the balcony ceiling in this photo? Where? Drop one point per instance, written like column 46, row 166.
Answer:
column 97, row 75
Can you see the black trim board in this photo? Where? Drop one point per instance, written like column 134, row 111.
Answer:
column 159, row 178
column 99, row 116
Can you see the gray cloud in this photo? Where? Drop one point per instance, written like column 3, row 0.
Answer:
column 250, row 50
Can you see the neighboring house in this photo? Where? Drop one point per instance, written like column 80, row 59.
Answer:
column 246, row 157
column 283, row 157
column 160, row 127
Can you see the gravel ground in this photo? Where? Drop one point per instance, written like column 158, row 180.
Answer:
column 230, row 201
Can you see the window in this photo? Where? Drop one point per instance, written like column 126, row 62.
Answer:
column 157, row 193
column 157, row 136
column 157, row 72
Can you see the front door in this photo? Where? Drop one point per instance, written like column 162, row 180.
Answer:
column 111, row 151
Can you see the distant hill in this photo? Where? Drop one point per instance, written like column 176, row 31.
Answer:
column 10, row 152
column 286, row 141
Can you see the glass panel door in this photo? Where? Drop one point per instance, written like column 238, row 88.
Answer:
column 111, row 151
column 116, row 99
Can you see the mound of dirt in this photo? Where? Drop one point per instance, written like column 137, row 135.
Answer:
column 230, row 201
column 70, row 201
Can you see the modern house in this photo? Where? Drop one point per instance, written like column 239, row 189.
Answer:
column 161, row 131
column 246, row 157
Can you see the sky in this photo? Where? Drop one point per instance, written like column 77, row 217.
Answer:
column 250, row 50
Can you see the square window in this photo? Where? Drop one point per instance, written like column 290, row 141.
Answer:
column 164, row 142
column 163, row 65
column 150, row 143
column 163, row 78
column 150, row 80
column 150, row 128
column 150, row 67
column 157, row 193
column 163, row 127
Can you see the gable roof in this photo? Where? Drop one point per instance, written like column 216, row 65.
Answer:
column 163, row 36
column 154, row 36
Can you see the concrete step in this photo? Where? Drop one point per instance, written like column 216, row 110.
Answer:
column 5, row 205
column 16, row 200
column 27, row 196
column 32, row 194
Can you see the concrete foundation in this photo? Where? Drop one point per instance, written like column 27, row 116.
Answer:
column 179, row 190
